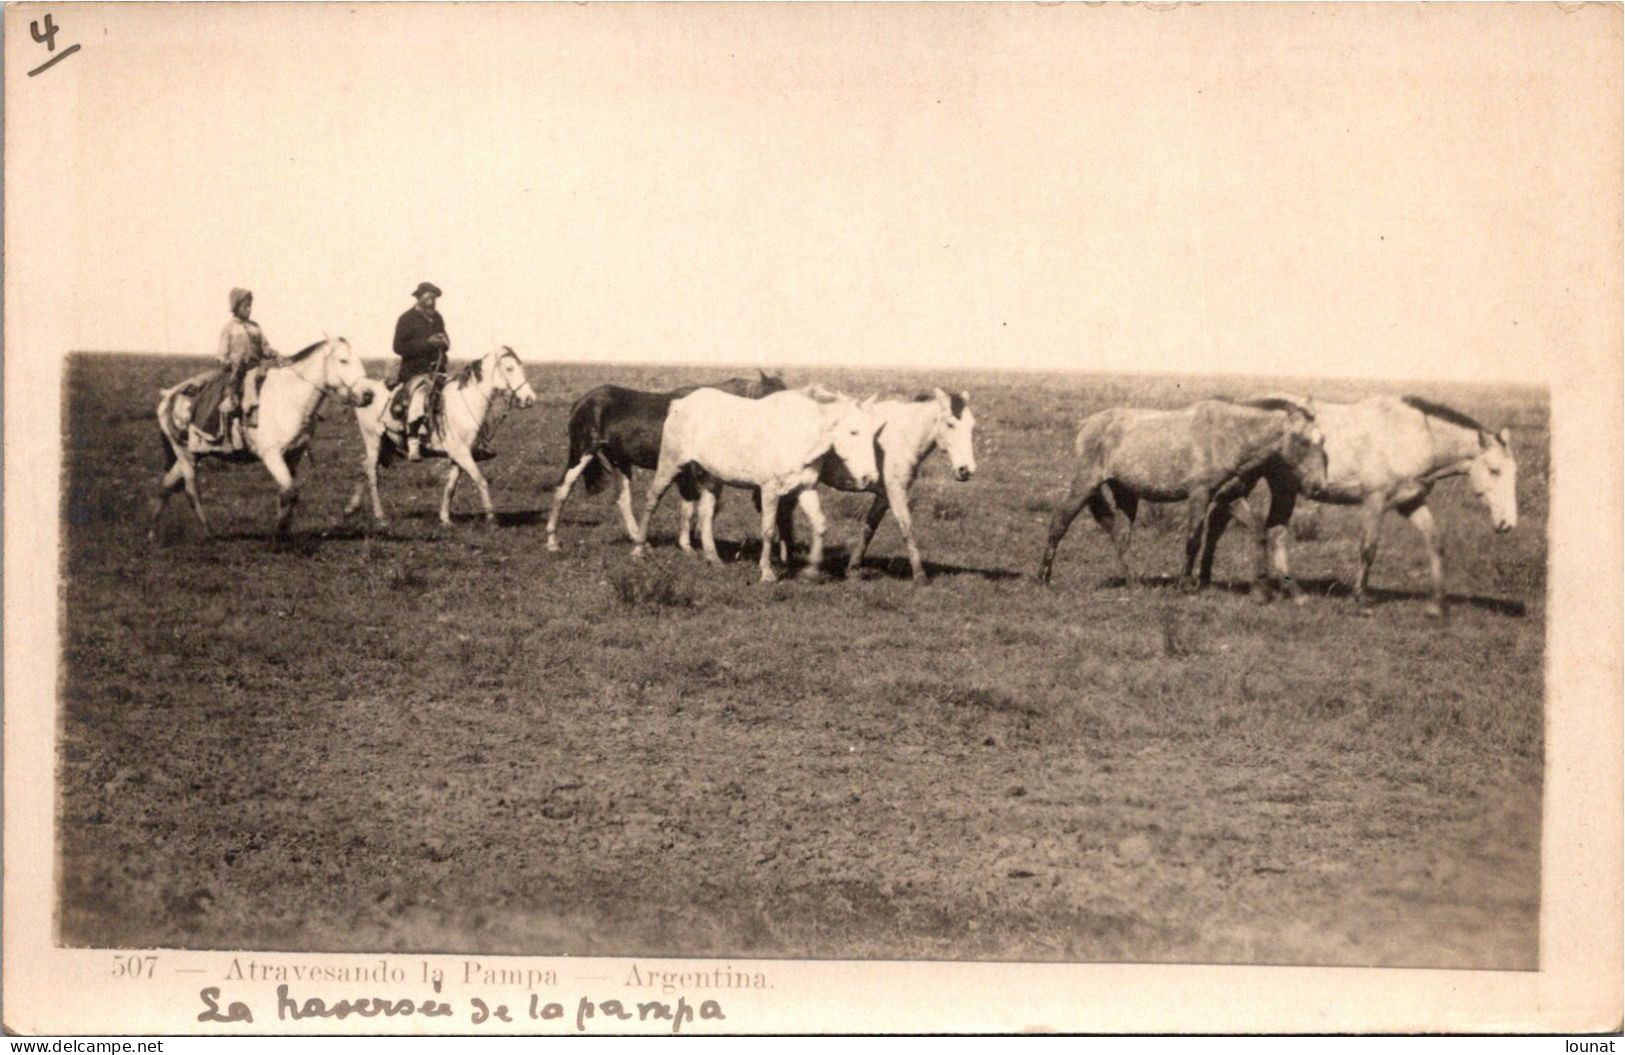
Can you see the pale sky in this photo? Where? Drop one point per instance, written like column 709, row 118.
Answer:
column 1397, row 191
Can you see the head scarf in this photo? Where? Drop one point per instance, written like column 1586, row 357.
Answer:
column 238, row 295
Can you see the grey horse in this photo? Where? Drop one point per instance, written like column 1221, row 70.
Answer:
column 1206, row 455
column 1387, row 453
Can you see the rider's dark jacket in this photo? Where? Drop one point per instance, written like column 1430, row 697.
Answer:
column 412, row 332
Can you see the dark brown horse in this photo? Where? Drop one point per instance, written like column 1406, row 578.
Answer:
column 1207, row 456
column 613, row 429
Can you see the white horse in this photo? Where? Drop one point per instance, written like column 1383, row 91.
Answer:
column 1387, row 453
column 290, row 396
column 909, row 431
column 465, row 402
column 775, row 444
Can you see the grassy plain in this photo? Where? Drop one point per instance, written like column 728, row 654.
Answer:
column 447, row 739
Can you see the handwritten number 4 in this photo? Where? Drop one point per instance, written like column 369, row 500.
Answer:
column 48, row 38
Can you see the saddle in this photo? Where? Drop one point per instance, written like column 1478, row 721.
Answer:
column 225, row 442
column 394, row 418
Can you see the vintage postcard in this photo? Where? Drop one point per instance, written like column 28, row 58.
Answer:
column 762, row 518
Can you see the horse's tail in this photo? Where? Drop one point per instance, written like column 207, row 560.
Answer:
column 587, row 437
column 169, row 449
column 166, row 408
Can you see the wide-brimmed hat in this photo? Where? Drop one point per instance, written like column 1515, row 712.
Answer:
column 238, row 295
column 427, row 287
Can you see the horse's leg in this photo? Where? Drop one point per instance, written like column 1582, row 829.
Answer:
column 897, row 500
column 623, row 501
column 871, row 524
column 1421, row 518
column 453, row 476
column 1078, row 494
column 1198, row 511
column 287, row 495
column 1217, row 521
column 561, row 494
column 665, row 472
column 1276, row 525
column 1263, row 589
column 173, row 480
column 770, row 530
column 787, row 529
column 690, row 491
column 814, row 512
column 1371, row 511
column 709, row 496
column 1123, row 508
column 464, row 459
column 368, row 484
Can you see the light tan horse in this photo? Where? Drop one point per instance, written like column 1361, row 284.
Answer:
column 1388, row 453
column 1205, row 455
column 910, row 429
column 774, row 443
column 291, row 395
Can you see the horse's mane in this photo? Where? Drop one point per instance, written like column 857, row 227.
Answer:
column 956, row 402
column 1442, row 412
column 473, row 371
column 301, row 353
column 1282, row 404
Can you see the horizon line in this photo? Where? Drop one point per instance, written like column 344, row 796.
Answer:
column 1541, row 385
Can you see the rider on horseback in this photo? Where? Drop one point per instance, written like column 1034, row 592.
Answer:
column 242, row 347
column 421, row 342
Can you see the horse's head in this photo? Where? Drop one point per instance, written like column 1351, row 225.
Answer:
column 512, row 372
column 855, row 425
column 343, row 374
column 1494, row 477
column 1303, row 448
column 765, row 385
column 955, row 432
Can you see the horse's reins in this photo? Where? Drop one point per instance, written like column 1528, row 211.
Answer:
column 293, row 364
column 488, row 428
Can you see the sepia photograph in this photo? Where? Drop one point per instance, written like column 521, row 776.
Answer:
column 720, row 491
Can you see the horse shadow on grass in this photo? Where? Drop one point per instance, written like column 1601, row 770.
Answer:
column 1330, row 588
column 835, row 558
column 1342, row 588
column 898, row 568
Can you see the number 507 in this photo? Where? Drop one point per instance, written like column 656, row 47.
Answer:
column 135, row 966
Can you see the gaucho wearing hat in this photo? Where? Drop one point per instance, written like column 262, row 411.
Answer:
column 421, row 342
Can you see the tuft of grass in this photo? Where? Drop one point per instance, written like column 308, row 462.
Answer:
column 651, row 586
column 1306, row 524
column 1179, row 637
column 407, row 579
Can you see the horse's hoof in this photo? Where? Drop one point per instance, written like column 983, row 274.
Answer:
column 637, row 553
column 1363, row 609
column 553, row 546
column 814, row 576
column 1434, row 610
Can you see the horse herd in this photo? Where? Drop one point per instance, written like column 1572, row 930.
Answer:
column 1380, row 454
